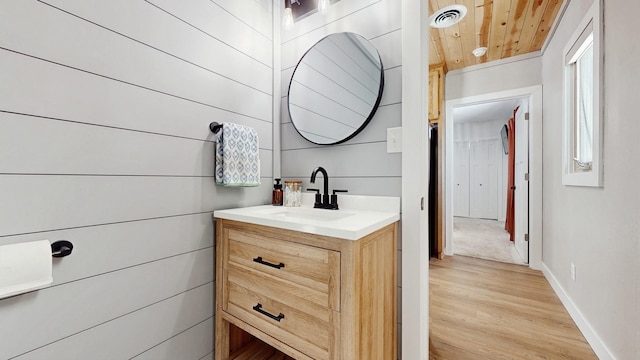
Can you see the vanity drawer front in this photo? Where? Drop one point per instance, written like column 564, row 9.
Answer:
column 314, row 270
column 283, row 313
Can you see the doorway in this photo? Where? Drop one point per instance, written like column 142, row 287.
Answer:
column 481, row 173
column 486, row 166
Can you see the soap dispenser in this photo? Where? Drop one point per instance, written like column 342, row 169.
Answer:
column 276, row 198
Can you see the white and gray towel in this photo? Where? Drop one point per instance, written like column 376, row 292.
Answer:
column 237, row 156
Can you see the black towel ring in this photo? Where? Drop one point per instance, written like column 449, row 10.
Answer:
column 215, row 127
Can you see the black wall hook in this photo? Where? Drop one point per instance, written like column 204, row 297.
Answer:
column 215, row 127
column 61, row 248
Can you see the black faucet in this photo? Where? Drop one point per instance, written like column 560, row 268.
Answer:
column 325, row 203
column 325, row 197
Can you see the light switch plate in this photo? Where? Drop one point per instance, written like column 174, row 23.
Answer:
column 394, row 140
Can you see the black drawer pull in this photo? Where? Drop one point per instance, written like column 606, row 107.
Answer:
column 260, row 261
column 258, row 308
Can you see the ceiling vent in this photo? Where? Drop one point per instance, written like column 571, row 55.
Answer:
column 448, row 16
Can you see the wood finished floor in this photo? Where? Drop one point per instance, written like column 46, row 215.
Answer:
column 489, row 310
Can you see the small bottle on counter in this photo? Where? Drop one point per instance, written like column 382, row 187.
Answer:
column 276, row 198
column 293, row 193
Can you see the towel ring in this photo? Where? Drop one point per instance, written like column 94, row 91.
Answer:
column 215, row 127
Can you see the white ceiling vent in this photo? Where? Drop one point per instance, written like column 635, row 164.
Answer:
column 448, row 16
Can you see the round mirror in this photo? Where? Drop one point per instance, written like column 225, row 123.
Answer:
column 335, row 89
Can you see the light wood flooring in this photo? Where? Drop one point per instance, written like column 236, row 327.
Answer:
column 490, row 310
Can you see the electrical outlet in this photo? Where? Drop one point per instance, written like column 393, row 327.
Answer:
column 573, row 271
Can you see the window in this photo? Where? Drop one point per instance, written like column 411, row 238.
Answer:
column 582, row 165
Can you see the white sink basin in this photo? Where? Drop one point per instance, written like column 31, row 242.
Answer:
column 349, row 223
column 306, row 214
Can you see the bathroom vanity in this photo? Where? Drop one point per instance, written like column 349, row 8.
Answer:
column 308, row 283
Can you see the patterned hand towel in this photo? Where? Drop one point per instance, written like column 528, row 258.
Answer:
column 237, row 156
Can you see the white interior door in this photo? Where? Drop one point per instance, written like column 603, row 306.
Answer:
column 522, row 186
column 483, row 188
column 461, row 178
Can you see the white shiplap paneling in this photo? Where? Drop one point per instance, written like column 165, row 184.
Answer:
column 251, row 13
column 186, row 345
column 72, row 148
column 360, row 160
column 80, row 44
column 109, row 147
column 105, row 248
column 56, row 91
column 216, row 21
column 46, row 316
column 51, row 202
column 174, row 38
column 107, row 341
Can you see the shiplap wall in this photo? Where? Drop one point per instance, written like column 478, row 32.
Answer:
column 104, row 141
column 361, row 165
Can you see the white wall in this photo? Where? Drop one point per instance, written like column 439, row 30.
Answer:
column 104, row 141
column 597, row 229
column 360, row 165
column 518, row 72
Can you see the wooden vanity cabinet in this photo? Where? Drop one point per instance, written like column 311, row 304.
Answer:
column 307, row 296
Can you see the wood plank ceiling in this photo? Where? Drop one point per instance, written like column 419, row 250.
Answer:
column 506, row 27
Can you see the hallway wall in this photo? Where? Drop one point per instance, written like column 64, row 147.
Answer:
column 597, row 229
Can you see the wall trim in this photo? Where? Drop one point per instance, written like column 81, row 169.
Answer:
column 598, row 346
column 500, row 62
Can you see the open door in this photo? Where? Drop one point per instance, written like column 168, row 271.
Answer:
column 521, row 181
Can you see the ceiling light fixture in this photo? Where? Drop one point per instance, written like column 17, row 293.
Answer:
column 448, row 16
column 479, row 51
column 323, row 6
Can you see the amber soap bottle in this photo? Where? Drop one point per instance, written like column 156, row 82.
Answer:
column 276, row 198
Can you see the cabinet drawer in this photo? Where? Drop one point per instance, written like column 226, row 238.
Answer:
column 312, row 272
column 262, row 302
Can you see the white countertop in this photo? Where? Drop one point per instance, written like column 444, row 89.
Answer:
column 358, row 216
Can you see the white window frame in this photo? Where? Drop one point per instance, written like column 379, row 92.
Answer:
column 572, row 175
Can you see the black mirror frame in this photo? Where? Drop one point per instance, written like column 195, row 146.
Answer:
column 373, row 110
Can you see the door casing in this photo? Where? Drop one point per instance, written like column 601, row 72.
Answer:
column 534, row 96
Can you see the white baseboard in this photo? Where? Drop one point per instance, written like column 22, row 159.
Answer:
column 589, row 334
